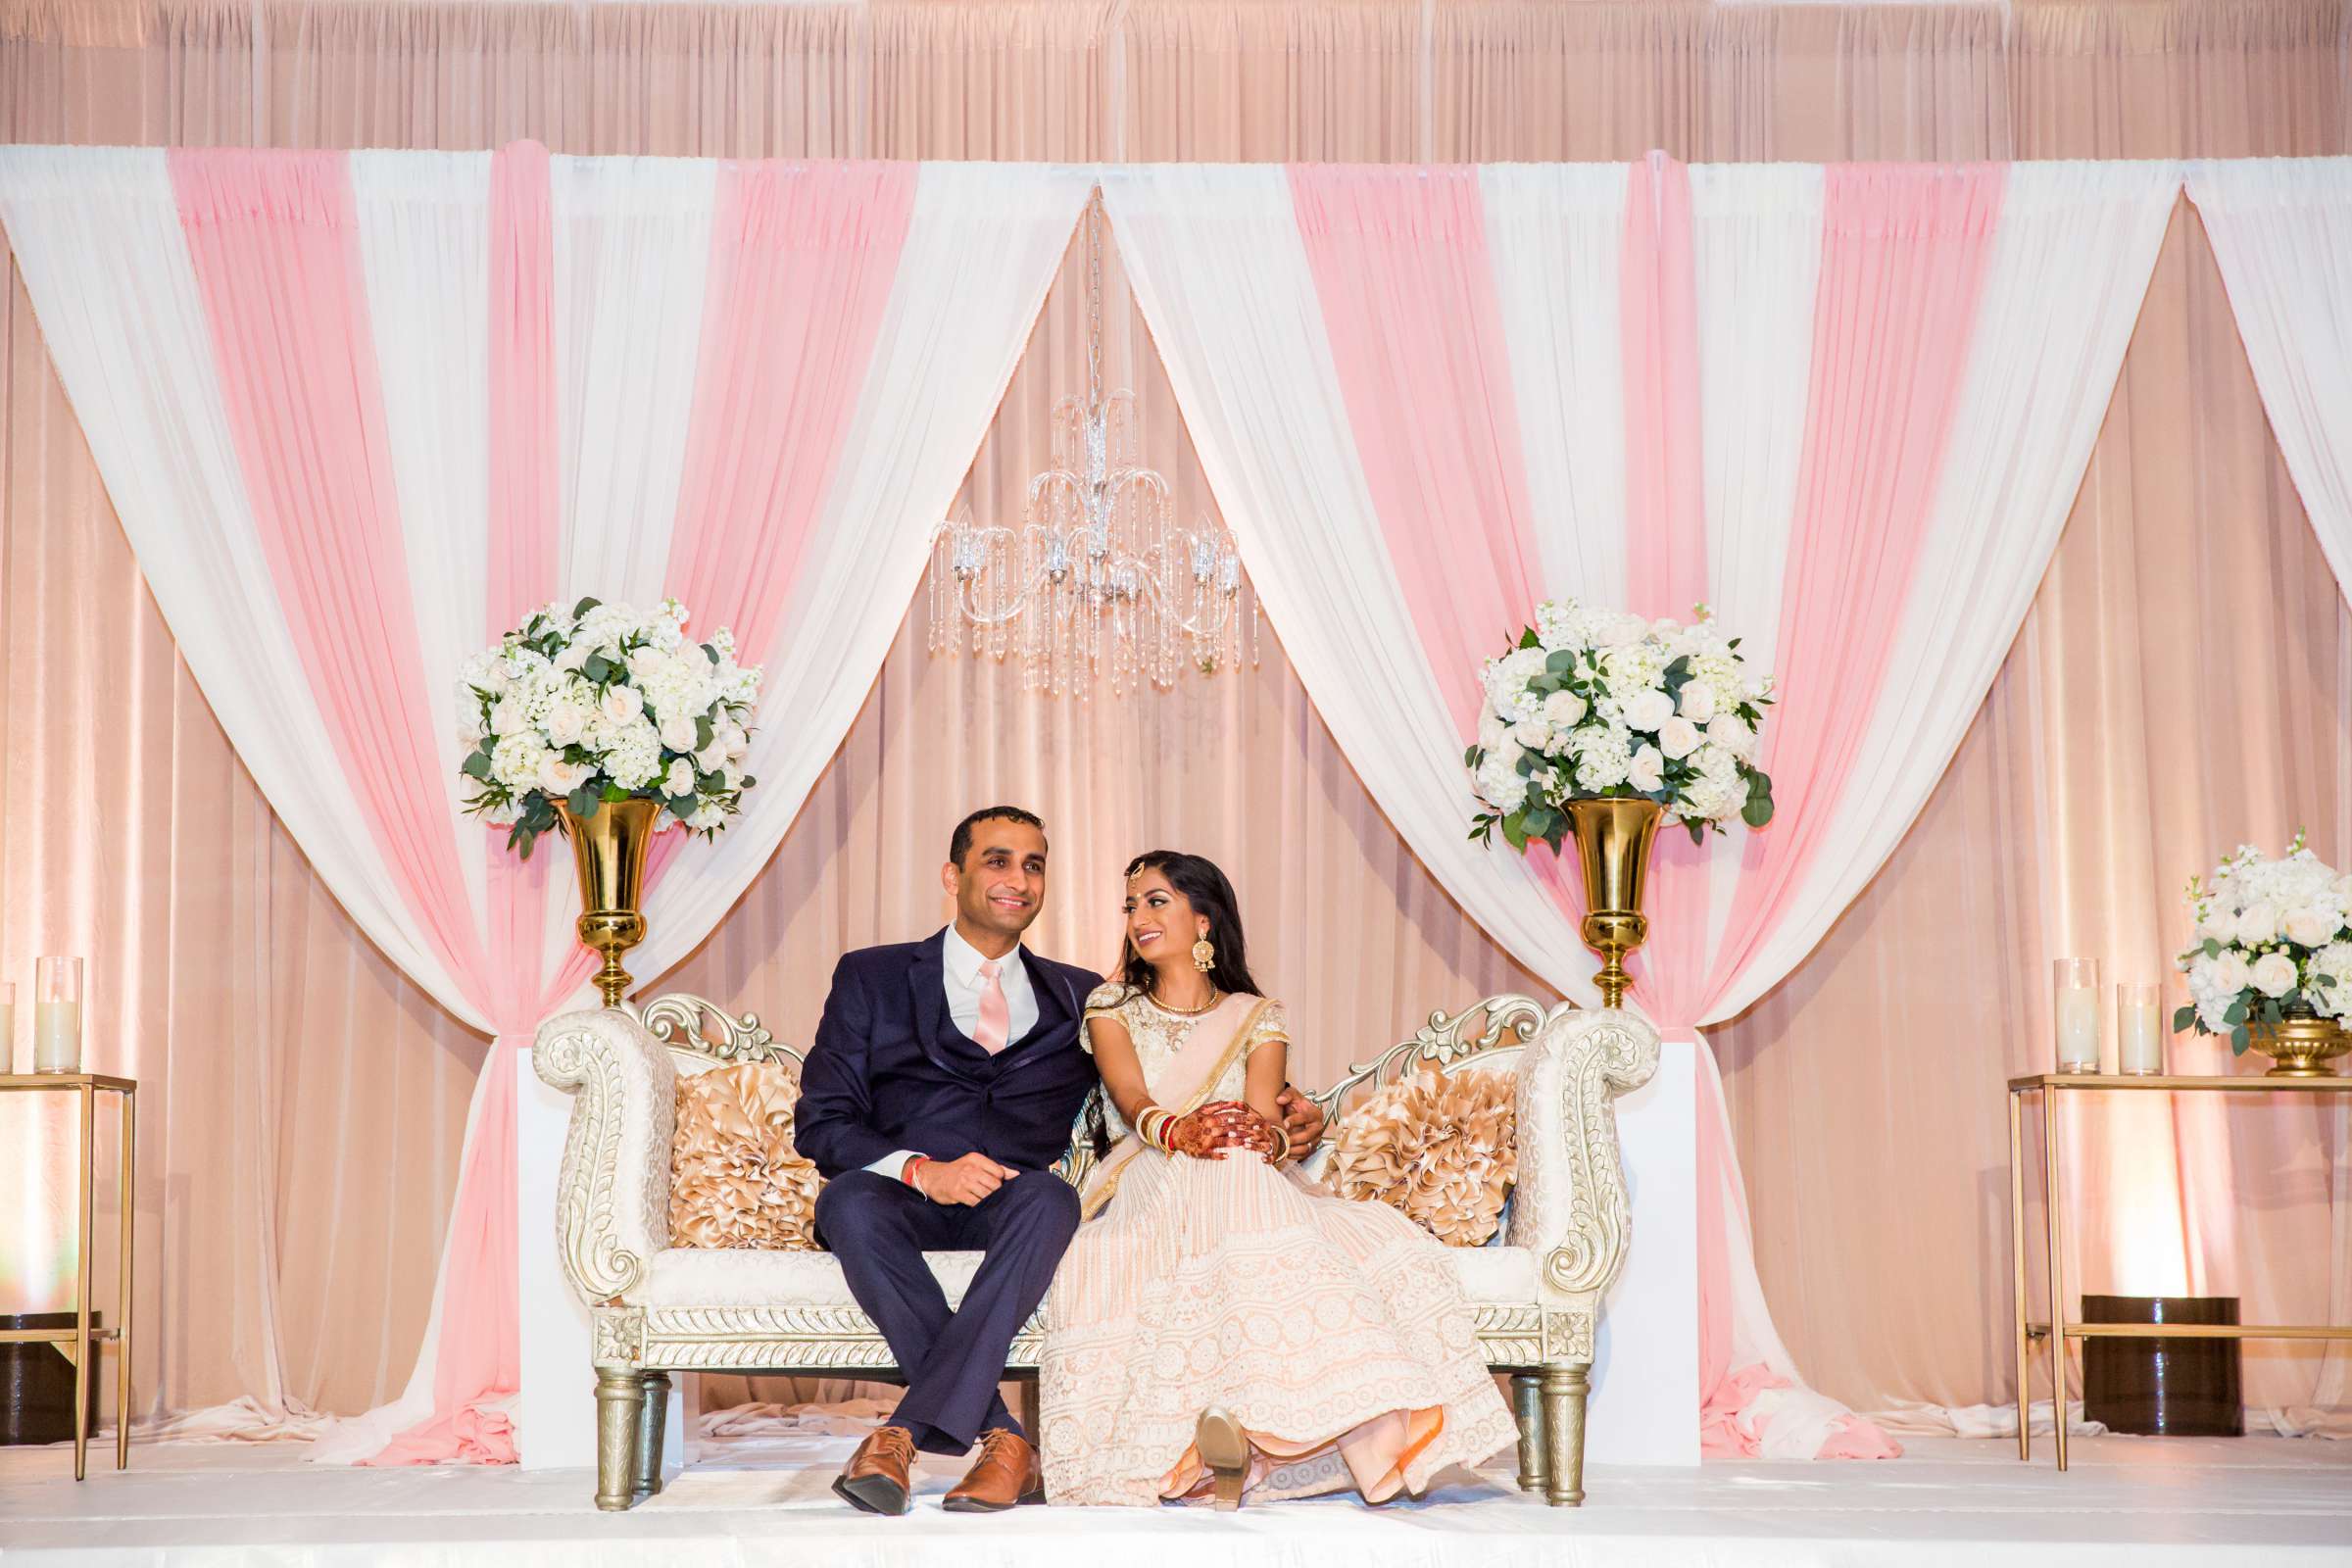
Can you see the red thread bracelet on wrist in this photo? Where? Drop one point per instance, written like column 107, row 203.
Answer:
column 914, row 1163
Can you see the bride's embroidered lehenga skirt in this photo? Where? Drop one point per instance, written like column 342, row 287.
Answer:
column 1334, row 1332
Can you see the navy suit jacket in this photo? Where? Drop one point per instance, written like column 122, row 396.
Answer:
column 890, row 1070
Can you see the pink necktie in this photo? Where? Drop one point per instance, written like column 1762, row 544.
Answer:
column 995, row 1018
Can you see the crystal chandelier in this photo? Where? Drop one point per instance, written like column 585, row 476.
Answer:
column 1098, row 579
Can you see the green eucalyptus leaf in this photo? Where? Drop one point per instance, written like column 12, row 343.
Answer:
column 2184, row 1017
column 584, row 606
column 476, row 765
column 2239, row 1041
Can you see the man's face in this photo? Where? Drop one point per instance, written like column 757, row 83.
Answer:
column 1001, row 886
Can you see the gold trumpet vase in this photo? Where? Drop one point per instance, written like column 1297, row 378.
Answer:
column 1613, row 840
column 2301, row 1045
column 607, row 850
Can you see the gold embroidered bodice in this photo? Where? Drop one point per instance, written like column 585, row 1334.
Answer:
column 1160, row 1034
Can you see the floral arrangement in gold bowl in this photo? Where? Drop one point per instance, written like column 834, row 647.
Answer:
column 2270, row 963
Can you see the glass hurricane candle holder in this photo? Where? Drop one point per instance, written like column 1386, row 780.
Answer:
column 2076, row 1007
column 57, row 1016
column 2139, row 1028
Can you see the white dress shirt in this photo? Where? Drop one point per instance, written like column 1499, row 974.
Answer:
column 959, row 976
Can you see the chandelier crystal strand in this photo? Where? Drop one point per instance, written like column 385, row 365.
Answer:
column 1100, row 579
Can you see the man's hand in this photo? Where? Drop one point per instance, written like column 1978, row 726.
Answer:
column 966, row 1181
column 1302, row 1118
column 1220, row 1125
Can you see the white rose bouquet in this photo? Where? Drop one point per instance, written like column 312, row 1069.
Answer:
column 604, row 702
column 1602, row 703
column 2270, row 935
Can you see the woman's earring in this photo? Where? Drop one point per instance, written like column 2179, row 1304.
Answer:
column 1204, row 954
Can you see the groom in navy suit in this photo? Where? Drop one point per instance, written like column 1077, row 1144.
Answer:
column 940, row 1091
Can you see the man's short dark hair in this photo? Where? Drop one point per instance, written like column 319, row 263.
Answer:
column 960, row 843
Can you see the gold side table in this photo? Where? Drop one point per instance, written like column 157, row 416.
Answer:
column 2053, row 1087
column 80, row 1344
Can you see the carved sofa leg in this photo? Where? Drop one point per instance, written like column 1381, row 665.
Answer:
column 651, row 1423
column 1564, row 1389
column 619, row 1402
column 1527, row 1404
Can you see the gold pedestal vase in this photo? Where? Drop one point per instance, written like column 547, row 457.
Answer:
column 608, row 851
column 1613, row 841
column 2301, row 1045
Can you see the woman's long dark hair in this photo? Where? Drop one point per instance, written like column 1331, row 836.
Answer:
column 1210, row 895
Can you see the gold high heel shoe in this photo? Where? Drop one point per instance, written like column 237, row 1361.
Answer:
column 1224, row 1447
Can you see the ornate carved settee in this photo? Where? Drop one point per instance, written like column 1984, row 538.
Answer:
column 658, row 1309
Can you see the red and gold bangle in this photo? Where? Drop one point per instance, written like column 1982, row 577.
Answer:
column 1152, row 1126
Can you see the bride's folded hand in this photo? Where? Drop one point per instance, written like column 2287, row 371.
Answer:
column 1220, row 1125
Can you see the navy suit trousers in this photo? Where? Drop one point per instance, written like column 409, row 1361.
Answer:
column 953, row 1359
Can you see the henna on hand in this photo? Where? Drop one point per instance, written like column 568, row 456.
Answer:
column 1221, row 1125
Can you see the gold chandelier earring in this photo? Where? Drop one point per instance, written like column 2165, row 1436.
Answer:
column 1205, row 953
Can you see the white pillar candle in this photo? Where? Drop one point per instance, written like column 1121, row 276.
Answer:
column 57, row 1037
column 2139, row 1030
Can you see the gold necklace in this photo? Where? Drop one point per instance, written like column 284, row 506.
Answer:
column 1214, row 996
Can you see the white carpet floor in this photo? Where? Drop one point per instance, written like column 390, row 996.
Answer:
column 2141, row 1501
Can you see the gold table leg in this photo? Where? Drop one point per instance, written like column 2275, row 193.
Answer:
column 2017, row 1271
column 123, row 1288
column 82, row 1294
column 2049, row 1146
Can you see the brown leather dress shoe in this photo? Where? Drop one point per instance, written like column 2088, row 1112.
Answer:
column 1006, row 1474
column 876, row 1477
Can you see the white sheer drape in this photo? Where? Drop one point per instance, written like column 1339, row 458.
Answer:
column 2282, row 229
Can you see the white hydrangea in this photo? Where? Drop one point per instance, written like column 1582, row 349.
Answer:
column 1556, row 625
column 2326, row 978
column 634, row 756
column 515, row 760
column 1506, row 681
column 1604, row 756
column 1501, row 784
column 1633, row 670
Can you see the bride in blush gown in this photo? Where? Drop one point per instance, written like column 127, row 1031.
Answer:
column 1221, row 1325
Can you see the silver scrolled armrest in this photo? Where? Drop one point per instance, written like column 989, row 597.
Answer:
column 613, row 1194
column 1571, row 1203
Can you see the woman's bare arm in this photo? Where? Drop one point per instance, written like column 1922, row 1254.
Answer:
column 1122, row 1070
column 1266, row 1079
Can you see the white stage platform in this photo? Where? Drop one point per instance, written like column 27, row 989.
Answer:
column 2146, row 1502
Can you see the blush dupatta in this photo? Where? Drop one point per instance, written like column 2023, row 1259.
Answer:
column 1218, row 1039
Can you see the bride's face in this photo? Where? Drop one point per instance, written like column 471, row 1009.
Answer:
column 1160, row 923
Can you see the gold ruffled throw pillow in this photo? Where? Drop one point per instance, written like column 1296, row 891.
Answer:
column 1440, row 1148
column 735, row 1180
